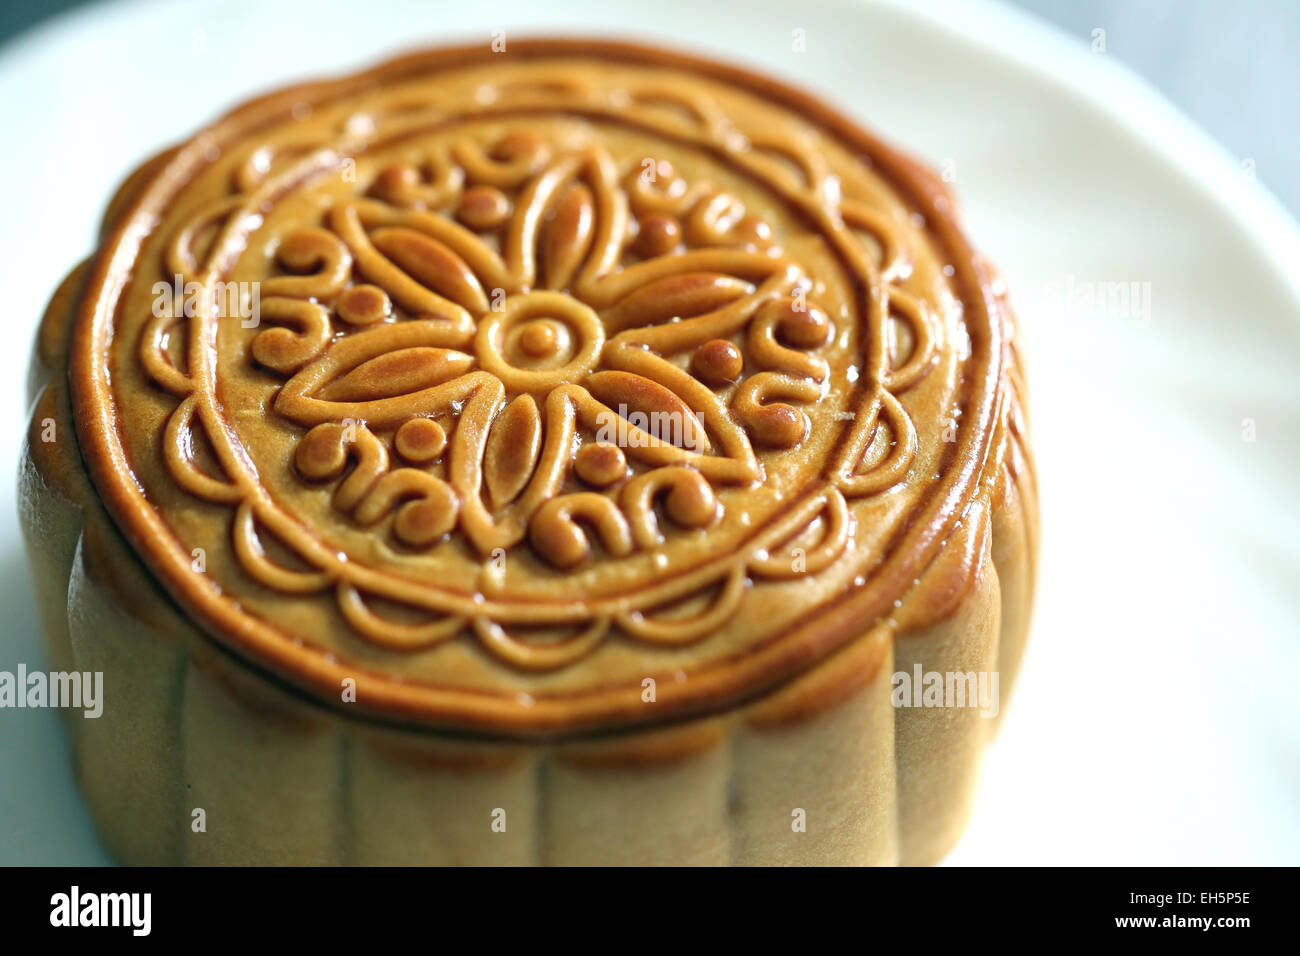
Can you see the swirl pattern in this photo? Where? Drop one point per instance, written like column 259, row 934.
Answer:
column 522, row 345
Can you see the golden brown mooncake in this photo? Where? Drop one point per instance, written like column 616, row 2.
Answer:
column 545, row 456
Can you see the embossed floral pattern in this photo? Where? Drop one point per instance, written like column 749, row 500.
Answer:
column 510, row 358
column 459, row 338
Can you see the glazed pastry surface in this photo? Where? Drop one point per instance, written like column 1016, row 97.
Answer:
column 571, row 369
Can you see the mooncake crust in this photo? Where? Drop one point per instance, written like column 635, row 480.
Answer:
column 950, row 586
column 609, row 695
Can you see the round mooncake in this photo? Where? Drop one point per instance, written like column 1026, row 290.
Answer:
column 573, row 453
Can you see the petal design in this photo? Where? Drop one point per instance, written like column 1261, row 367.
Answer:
column 513, row 446
column 382, row 376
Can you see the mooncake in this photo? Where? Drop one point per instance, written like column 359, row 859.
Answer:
column 571, row 453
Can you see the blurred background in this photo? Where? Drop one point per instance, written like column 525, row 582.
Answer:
column 1231, row 67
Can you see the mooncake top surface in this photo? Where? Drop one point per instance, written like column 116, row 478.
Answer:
column 508, row 385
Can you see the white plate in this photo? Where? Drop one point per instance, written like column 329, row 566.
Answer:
column 1155, row 720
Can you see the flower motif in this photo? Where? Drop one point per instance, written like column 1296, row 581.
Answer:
column 529, row 342
column 536, row 348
